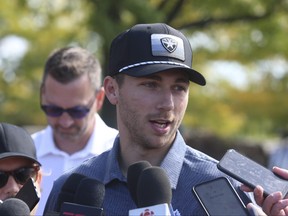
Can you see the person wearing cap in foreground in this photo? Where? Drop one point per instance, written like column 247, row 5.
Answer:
column 18, row 160
column 150, row 68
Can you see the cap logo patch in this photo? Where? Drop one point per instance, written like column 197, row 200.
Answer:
column 165, row 45
column 169, row 44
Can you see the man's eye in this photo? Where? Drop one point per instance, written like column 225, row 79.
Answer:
column 180, row 88
column 150, row 85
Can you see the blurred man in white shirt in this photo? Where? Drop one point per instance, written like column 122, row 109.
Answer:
column 71, row 96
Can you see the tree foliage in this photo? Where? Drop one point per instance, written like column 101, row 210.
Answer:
column 251, row 33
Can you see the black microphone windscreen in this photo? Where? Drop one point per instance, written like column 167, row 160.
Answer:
column 14, row 207
column 133, row 174
column 153, row 187
column 68, row 189
column 90, row 192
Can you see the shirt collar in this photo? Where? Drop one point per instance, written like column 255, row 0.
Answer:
column 172, row 162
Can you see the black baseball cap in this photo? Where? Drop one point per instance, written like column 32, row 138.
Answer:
column 15, row 141
column 150, row 48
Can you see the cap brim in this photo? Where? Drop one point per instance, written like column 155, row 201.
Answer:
column 145, row 70
column 13, row 154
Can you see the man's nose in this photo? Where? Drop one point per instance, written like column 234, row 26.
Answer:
column 11, row 188
column 166, row 101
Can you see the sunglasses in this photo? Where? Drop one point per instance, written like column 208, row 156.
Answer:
column 75, row 112
column 20, row 175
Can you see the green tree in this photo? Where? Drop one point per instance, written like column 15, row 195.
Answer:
column 249, row 33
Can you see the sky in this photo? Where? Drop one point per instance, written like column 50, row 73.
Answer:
column 12, row 50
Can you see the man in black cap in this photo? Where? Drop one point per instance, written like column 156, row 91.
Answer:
column 18, row 162
column 150, row 69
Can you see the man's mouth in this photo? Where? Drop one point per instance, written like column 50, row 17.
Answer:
column 161, row 123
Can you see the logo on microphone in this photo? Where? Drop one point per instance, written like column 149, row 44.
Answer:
column 147, row 212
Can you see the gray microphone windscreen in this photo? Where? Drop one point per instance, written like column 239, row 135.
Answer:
column 68, row 190
column 133, row 174
column 153, row 187
column 90, row 192
column 14, row 207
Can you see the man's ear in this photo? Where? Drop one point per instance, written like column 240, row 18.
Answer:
column 111, row 89
column 100, row 96
column 39, row 177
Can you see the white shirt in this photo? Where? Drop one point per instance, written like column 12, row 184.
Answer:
column 55, row 162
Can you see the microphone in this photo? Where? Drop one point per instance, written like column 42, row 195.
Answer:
column 88, row 199
column 154, row 193
column 133, row 174
column 14, row 207
column 68, row 190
